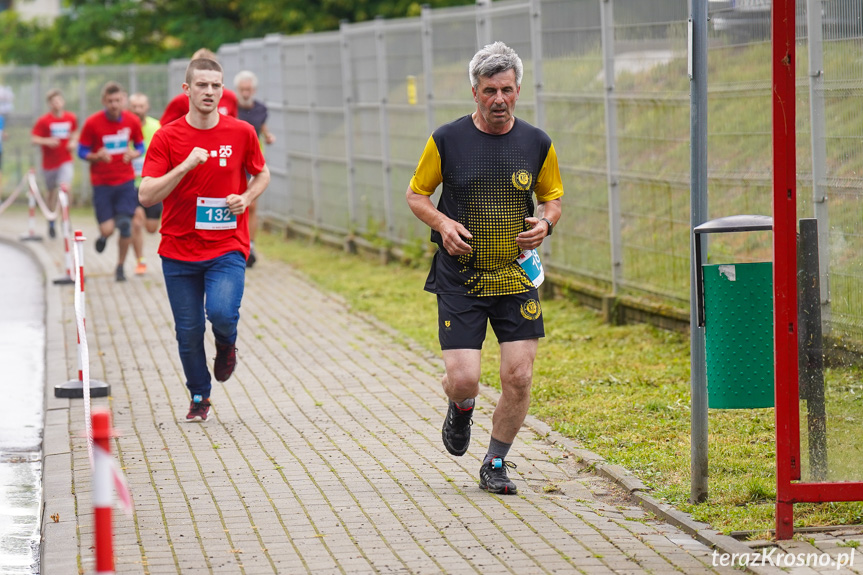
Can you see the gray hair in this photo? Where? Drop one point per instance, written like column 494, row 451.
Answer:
column 493, row 59
column 246, row 75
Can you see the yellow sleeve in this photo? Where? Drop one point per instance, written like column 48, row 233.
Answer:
column 427, row 176
column 549, row 186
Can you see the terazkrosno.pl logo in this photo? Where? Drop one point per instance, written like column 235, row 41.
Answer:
column 773, row 557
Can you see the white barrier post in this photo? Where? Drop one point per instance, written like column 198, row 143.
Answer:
column 63, row 198
column 74, row 388
column 102, row 492
column 31, row 236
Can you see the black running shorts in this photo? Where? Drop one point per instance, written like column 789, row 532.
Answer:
column 154, row 212
column 463, row 320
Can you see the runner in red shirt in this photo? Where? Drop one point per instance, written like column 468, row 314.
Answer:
column 179, row 105
column 104, row 142
column 57, row 134
column 197, row 167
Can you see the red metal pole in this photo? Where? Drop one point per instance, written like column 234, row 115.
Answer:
column 784, row 260
column 102, row 491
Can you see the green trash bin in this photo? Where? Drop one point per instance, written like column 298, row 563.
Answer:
column 735, row 307
column 738, row 333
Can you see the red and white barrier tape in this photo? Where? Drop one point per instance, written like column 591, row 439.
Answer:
column 66, row 230
column 80, row 321
column 119, row 480
column 8, row 201
column 37, row 196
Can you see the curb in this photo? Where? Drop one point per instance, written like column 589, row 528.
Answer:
column 637, row 490
column 618, row 474
column 58, row 545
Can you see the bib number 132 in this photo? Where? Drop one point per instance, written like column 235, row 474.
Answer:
column 214, row 214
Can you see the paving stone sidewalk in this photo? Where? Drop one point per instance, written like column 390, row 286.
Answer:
column 322, row 453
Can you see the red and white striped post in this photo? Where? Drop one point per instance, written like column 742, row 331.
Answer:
column 74, row 388
column 103, row 483
column 31, row 235
column 63, row 198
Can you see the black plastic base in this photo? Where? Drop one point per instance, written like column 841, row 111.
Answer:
column 29, row 238
column 65, row 280
column 75, row 389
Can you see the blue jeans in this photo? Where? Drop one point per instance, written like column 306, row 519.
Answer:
column 214, row 287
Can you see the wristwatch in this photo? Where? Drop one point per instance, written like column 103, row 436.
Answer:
column 550, row 225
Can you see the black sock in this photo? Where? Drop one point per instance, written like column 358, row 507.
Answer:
column 496, row 449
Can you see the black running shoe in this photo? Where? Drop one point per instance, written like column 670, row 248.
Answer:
column 51, row 231
column 120, row 274
column 493, row 478
column 456, row 429
column 100, row 244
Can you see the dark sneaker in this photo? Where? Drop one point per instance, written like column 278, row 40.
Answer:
column 199, row 409
column 456, row 429
column 51, row 231
column 252, row 259
column 226, row 361
column 493, row 478
column 100, row 244
column 120, row 275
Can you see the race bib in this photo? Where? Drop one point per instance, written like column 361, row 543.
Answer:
column 214, row 214
column 116, row 143
column 138, row 165
column 530, row 263
column 60, row 130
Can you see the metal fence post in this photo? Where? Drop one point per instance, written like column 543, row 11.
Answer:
column 314, row 143
column 36, row 73
column 428, row 65
column 536, row 52
column 133, row 78
column 611, row 153
column 383, row 92
column 698, row 215
column 819, row 151
column 348, row 94
column 483, row 23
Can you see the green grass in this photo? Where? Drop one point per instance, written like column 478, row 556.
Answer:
column 620, row 391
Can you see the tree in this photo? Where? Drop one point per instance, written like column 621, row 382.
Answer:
column 119, row 31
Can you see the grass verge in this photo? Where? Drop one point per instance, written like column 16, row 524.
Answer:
column 620, row 391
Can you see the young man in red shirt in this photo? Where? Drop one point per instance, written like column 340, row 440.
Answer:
column 197, row 167
column 179, row 105
column 56, row 133
column 104, row 142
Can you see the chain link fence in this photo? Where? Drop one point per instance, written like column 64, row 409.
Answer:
column 607, row 79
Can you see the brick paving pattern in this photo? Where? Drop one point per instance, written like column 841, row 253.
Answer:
column 322, row 453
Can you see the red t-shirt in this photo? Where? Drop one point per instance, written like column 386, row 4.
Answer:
column 100, row 132
column 234, row 150
column 62, row 127
column 179, row 106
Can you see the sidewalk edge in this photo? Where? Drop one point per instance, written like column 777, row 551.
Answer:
column 58, row 545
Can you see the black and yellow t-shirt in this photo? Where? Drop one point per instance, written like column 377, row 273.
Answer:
column 488, row 186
